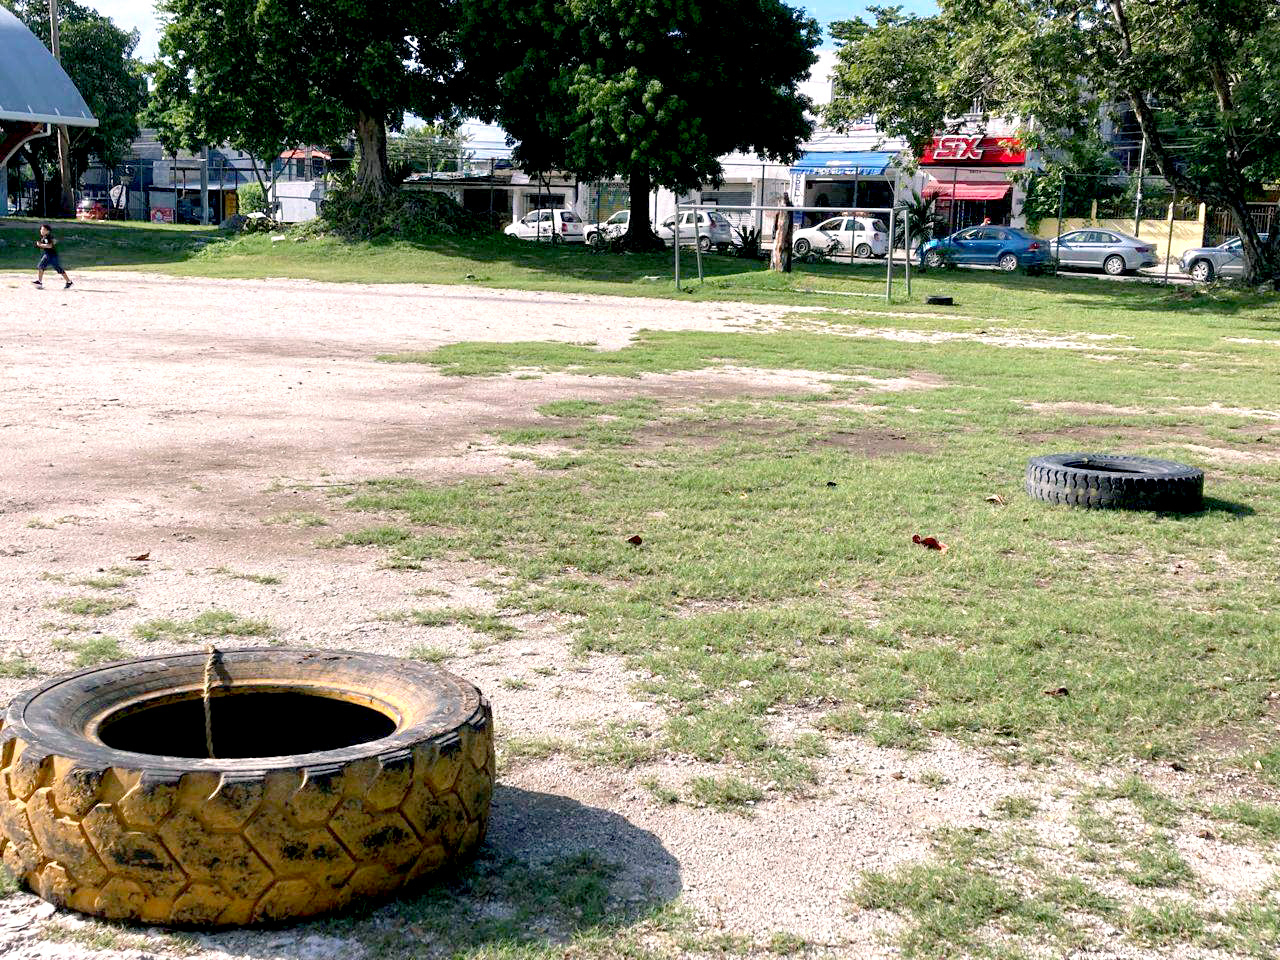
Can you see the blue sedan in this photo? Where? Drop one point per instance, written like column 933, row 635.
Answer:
column 1005, row 247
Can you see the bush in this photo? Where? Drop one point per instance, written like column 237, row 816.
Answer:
column 403, row 216
column 252, row 198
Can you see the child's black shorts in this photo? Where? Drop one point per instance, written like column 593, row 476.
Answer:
column 50, row 260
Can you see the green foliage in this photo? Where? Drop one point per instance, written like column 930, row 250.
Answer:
column 655, row 92
column 413, row 216
column 433, row 148
column 1201, row 79
column 264, row 75
column 1080, row 173
column 252, row 198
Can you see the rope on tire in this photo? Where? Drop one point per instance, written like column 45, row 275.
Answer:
column 211, row 651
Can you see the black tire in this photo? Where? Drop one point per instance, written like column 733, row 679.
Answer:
column 862, row 250
column 933, row 259
column 395, row 784
column 801, row 247
column 1102, row 481
column 1114, row 266
column 1201, row 271
column 596, row 240
column 1008, row 262
column 704, row 244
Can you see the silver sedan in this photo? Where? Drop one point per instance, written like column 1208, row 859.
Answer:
column 1204, row 264
column 1107, row 250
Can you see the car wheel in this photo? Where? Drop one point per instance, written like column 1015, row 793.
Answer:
column 1114, row 266
column 801, row 247
column 1008, row 262
column 1202, row 271
column 596, row 240
column 704, row 244
column 863, row 251
column 933, row 259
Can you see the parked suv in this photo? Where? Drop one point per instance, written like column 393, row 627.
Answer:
column 558, row 226
column 1204, row 264
column 714, row 230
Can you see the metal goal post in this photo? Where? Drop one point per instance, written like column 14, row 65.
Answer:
column 891, row 212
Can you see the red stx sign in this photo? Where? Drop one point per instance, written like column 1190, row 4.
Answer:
column 974, row 151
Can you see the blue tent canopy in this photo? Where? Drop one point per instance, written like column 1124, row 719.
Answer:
column 845, row 163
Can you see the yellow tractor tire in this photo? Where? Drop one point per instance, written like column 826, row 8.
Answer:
column 336, row 776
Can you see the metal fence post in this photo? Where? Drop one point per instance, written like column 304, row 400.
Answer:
column 676, row 228
column 697, row 241
column 1057, row 243
column 888, row 279
column 906, row 233
column 1168, row 250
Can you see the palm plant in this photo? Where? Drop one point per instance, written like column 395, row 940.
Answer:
column 922, row 215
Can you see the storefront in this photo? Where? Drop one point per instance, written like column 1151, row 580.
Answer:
column 970, row 177
column 849, row 179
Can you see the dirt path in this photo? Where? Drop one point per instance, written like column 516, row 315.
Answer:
column 142, row 414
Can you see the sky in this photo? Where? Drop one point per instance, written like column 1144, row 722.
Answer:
column 140, row 15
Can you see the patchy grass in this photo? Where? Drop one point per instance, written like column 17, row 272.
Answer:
column 478, row 621
column 265, row 579
column 297, row 518
column 92, row 651
column 18, row 668
column 1261, row 820
column 431, row 654
column 208, row 625
column 724, row 793
column 92, row 606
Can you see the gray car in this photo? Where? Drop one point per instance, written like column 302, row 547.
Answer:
column 1106, row 250
column 1205, row 264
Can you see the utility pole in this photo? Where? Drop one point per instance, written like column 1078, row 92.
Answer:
column 204, row 186
column 64, row 145
column 1142, row 172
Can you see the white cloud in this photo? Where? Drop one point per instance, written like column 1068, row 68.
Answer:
column 137, row 15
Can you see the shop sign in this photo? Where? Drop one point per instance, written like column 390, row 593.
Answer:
column 162, row 214
column 968, row 151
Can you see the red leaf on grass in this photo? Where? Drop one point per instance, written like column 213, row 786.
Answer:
column 142, row 556
column 1057, row 692
column 930, row 543
column 635, row 539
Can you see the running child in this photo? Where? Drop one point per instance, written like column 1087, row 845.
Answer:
column 48, row 247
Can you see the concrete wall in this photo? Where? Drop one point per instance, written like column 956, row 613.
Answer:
column 1185, row 233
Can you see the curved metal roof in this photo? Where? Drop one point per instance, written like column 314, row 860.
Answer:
column 33, row 86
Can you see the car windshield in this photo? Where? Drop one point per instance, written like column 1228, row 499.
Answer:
column 617, row 218
column 878, row 226
column 568, row 216
column 832, row 224
column 720, row 219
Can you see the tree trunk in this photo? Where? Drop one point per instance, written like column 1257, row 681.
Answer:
column 1259, row 265
column 373, row 178
column 782, row 233
column 639, row 237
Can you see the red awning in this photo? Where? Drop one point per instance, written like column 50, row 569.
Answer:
column 967, row 189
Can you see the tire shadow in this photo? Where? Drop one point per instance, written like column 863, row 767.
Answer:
column 550, row 868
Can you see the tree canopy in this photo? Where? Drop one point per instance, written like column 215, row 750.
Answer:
column 654, row 91
column 98, row 57
column 1202, row 78
column 266, row 74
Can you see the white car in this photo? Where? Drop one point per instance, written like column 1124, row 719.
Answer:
column 714, row 230
column 558, row 226
column 611, row 229
column 843, row 236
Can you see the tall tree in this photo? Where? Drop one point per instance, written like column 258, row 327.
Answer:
column 264, row 74
column 98, row 57
column 654, row 91
column 1200, row 77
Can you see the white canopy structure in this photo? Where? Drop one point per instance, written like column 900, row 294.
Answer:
column 35, row 92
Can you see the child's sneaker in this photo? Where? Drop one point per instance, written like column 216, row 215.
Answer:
column 37, row 283
column 67, row 286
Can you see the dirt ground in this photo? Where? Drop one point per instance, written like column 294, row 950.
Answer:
column 139, row 414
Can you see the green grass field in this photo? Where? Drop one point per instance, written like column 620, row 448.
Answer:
column 776, row 574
